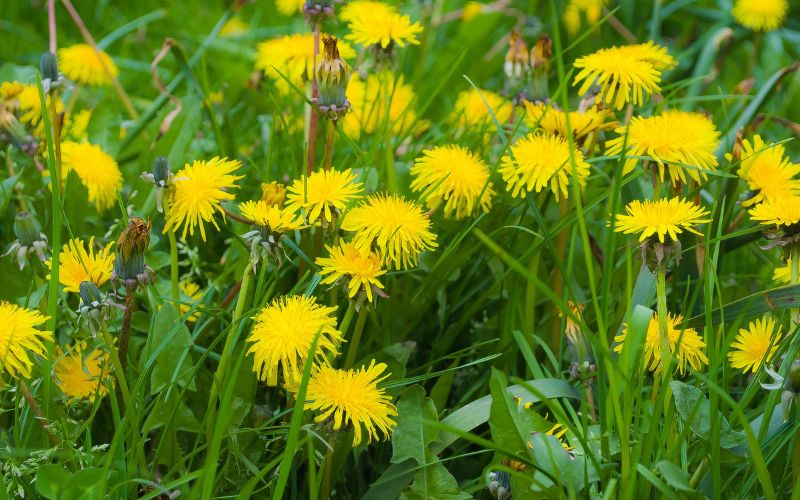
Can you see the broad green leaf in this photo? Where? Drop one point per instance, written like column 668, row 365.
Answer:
column 510, row 423
column 51, row 480
column 175, row 359
column 674, row 475
column 173, row 413
column 784, row 297
column 83, row 485
column 695, row 410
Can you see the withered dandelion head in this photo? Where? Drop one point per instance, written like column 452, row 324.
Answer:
column 453, row 176
column 397, row 229
column 539, row 161
column 755, row 345
column 283, row 333
column 86, row 65
column 359, row 267
column 199, row 190
column 352, row 398
column 324, row 194
column 19, row 339
column 689, row 352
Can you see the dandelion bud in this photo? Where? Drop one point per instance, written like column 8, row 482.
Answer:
column 129, row 266
column 540, row 64
column 273, row 193
column 516, row 66
column 48, row 65
column 161, row 172
column 315, row 11
column 90, row 295
column 27, row 228
column 333, row 74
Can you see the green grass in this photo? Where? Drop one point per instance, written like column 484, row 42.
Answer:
column 478, row 323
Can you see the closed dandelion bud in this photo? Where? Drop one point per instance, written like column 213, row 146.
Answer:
column 161, row 171
column 90, row 295
column 129, row 266
column 517, row 63
column 27, row 229
column 540, row 64
column 333, row 74
column 273, row 193
column 48, row 65
column 315, row 11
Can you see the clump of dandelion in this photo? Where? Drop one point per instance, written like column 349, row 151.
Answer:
column 538, row 161
column 198, row 191
column 755, row 345
column 82, row 375
column 86, row 65
column 767, row 171
column 352, row 398
column 680, row 143
column 397, row 229
column 324, row 194
column 453, row 176
column 760, row 15
column 687, row 353
column 624, row 74
column 20, row 339
column 283, row 333
column 78, row 264
column 96, row 169
column 360, row 268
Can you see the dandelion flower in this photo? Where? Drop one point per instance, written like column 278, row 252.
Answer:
column 283, row 333
column 24, row 98
column 554, row 121
column 83, row 64
column 539, row 160
column 624, row 74
column 760, row 15
column 353, row 398
column 755, row 345
column 273, row 193
column 382, row 100
column 377, row 27
column 471, row 10
column 470, row 110
column 293, row 56
column 193, row 293
column 77, row 264
column 680, row 142
column 664, row 219
column 360, row 8
column 235, row 26
column 360, row 267
column 96, row 169
column 323, row 194
column 767, row 172
column 453, row 175
column 289, row 7
column 276, row 220
column 575, row 9
column 783, row 275
column 784, row 213
column 688, row 352
column 397, row 229
column 199, row 189
column 19, row 339
column 82, row 376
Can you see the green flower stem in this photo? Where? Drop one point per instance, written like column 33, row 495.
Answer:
column 173, row 259
column 330, row 137
column 325, row 491
column 219, row 376
column 125, row 329
column 663, row 323
column 795, row 277
column 354, row 343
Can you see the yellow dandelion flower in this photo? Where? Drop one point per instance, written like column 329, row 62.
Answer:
column 192, row 293
column 624, row 74
column 688, row 352
column 273, row 193
column 453, row 175
column 323, row 194
column 471, row 10
column 538, row 161
column 382, row 29
column 289, row 7
column 77, row 264
column 680, row 142
column 76, row 125
column 277, row 220
column 82, row 376
column 353, row 398
column 554, row 121
column 234, row 26
column 370, row 110
column 665, row 218
column 470, row 110
column 577, row 9
column 25, row 98
column 397, row 229
column 755, row 345
column 96, row 169
column 19, row 339
column 360, row 267
column 198, row 191
column 767, row 171
column 361, row 8
column 761, row 15
column 781, row 212
column 783, row 275
column 82, row 64
column 292, row 55
column 283, row 333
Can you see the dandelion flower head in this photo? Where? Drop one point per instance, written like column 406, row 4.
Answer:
column 664, row 219
column 360, row 267
column 78, row 264
column 755, row 345
column 19, row 339
column 688, row 353
column 761, row 15
column 96, row 170
column 82, row 376
column 323, row 194
column 767, row 171
column 83, row 64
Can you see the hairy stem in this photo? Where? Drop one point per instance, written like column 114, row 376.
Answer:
column 125, row 329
